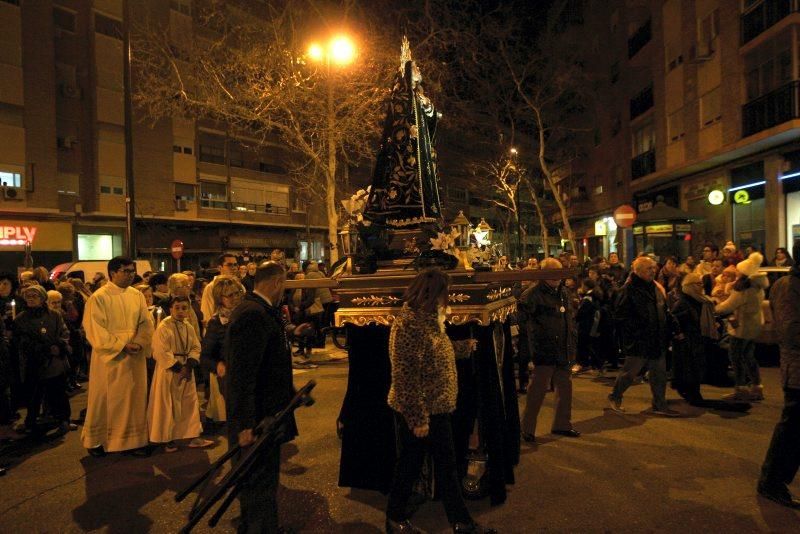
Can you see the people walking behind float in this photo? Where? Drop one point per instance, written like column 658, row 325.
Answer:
column 54, row 303
column 646, row 328
column 552, row 340
column 173, row 412
column 120, row 331
column 783, row 457
column 42, row 341
column 73, row 317
column 590, row 324
column 423, row 394
column 228, row 266
column 745, row 323
column 694, row 312
column 227, row 293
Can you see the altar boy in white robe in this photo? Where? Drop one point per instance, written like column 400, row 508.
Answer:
column 119, row 328
column 174, row 410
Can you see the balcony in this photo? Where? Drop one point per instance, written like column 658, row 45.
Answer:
column 643, row 164
column 764, row 16
column 772, row 109
column 269, row 209
column 642, row 36
column 641, row 102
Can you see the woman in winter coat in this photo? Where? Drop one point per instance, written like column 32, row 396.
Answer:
column 694, row 311
column 423, row 395
column 744, row 326
column 227, row 294
column 42, row 341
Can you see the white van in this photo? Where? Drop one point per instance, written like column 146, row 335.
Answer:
column 85, row 270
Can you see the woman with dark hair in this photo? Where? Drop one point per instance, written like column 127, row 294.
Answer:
column 423, row 395
column 744, row 325
column 782, row 258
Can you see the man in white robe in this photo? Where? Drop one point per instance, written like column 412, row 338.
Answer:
column 120, row 331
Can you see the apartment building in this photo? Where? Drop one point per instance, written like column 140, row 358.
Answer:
column 62, row 155
column 700, row 120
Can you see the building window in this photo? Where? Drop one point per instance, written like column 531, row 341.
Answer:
column 181, row 6
column 187, row 150
column 614, row 73
column 184, row 192
column 640, row 38
column 10, row 178
column 675, row 128
column 270, row 168
column 300, row 204
column 457, row 194
column 235, row 157
column 107, row 26
column 708, row 28
column 644, row 139
column 112, row 185
column 212, row 154
column 213, row 195
column 177, row 149
column 598, row 190
column 710, row 108
column 641, row 102
column 64, row 19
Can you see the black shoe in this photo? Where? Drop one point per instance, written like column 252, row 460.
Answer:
column 530, row 438
column 404, row 527
column 568, row 433
column 97, row 452
column 781, row 496
column 472, row 528
column 141, row 452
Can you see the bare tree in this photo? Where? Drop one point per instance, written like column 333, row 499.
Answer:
column 252, row 74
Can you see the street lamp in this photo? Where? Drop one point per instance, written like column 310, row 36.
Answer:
column 340, row 51
column 462, row 226
column 483, row 233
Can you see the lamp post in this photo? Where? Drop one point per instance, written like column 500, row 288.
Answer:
column 340, row 51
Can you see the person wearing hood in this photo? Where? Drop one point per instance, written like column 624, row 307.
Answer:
column 42, row 340
column 744, row 326
column 694, row 312
column 783, row 457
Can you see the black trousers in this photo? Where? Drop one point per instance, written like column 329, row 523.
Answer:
column 783, row 457
column 54, row 392
column 409, row 464
column 258, row 498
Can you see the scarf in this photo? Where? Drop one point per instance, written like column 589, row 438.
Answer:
column 708, row 324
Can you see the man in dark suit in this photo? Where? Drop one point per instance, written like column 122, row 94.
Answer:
column 259, row 385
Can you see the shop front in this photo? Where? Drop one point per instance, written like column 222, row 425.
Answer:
column 51, row 243
column 705, row 199
column 790, row 184
column 663, row 231
column 747, row 199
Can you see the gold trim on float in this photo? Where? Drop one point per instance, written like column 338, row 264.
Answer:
column 458, row 297
column 374, row 300
column 460, row 314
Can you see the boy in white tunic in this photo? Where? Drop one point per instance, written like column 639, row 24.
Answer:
column 174, row 410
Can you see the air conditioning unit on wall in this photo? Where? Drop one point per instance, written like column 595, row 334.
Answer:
column 13, row 193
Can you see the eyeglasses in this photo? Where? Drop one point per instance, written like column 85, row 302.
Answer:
column 230, row 264
column 127, row 271
column 182, row 286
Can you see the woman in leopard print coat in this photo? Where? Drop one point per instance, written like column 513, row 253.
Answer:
column 423, row 395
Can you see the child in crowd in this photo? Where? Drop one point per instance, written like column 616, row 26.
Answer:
column 174, row 410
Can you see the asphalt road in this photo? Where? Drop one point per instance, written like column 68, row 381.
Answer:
column 632, row 473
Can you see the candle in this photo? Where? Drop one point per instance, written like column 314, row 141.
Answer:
column 13, row 309
column 159, row 311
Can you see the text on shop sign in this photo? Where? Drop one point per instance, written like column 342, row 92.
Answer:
column 17, row 235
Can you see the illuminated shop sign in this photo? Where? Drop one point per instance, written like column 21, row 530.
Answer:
column 16, row 235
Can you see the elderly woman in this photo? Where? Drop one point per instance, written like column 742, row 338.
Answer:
column 423, row 395
column 227, row 294
column 744, row 326
column 179, row 285
column 694, row 311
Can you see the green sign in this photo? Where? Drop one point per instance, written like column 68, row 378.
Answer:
column 741, row 197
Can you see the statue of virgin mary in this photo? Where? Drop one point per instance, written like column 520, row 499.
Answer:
column 405, row 186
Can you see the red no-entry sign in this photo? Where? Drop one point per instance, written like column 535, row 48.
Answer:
column 625, row 216
column 177, row 249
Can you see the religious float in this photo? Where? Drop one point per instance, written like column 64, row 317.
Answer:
column 396, row 228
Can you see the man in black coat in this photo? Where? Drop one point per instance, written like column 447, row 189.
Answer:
column 551, row 333
column 646, row 327
column 259, row 385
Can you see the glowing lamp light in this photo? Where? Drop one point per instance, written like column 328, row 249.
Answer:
column 716, row 197
column 316, row 52
column 342, row 50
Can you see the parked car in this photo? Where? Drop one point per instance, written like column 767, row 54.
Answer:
column 85, row 270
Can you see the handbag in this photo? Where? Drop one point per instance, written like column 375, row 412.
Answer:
column 315, row 308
